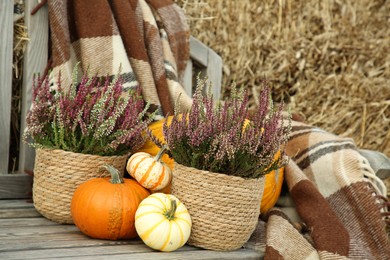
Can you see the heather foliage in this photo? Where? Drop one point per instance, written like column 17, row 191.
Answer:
column 219, row 138
column 93, row 116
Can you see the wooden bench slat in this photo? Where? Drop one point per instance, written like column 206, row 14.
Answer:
column 71, row 239
column 199, row 52
column 15, row 186
column 128, row 252
column 6, row 36
column 35, row 61
column 22, row 222
column 41, row 231
column 16, row 204
column 17, row 213
column 39, row 238
column 74, row 251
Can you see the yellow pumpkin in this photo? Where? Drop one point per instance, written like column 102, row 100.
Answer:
column 273, row 180
column 149, row 170
column 152, row 149
column 163, row 222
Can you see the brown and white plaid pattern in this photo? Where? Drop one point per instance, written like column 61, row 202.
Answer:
column 325, row 178
column 149, row 40
column 108, row 36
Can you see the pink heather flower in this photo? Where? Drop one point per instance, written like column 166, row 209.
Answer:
column 214, row 137
column 94, row 116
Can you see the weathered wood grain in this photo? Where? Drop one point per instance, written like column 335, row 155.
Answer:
column 36, row 231
column 14, row 209
column 22, row 222
column 205, row 63
column 127, row 252
column 199, row 52
column 18, row 213
column 214, row 72
column 187, row 79
column 74, row 245
column 39, row 238
column 35, row 61
column 6, row 46
column 15, row 186
column 16, row 203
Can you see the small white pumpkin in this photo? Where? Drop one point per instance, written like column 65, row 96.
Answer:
column 163, row 222
column 150, row 171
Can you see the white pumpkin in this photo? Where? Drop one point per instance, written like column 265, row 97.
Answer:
column 149, row 171
column 163, row 222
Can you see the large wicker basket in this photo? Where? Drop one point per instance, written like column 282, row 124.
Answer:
column 58, row 173
column 224, row 209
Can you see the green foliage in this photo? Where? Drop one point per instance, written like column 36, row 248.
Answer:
column 93, row 116
column 219, row 137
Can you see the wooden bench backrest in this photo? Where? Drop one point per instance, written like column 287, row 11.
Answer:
column 203, row 60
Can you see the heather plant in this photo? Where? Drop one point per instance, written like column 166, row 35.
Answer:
column 218, row 137
column 93, row 116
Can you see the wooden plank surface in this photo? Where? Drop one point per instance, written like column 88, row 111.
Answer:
column 127, row 252
column 16, row 209
column 15, row 186
column 35, row 61
column 187, row 79
column 15, row 204
column 16, row 213
column 6, row 46
column 39, row 238
column 214, row 72
column 199, row 52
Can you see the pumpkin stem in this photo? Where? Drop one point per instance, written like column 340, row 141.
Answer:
column 160, row 153
column 116, row 177
column 170, row 214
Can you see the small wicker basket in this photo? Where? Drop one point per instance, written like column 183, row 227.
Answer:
column 58, row 173
column 224, row 209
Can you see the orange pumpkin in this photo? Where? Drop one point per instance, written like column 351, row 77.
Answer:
column 105, row 208
column 152, row 149
column 272, row 188
column 150, row 171
column 273, row 180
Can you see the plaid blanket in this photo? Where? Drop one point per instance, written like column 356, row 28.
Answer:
column 146, row 41
column 336, row 213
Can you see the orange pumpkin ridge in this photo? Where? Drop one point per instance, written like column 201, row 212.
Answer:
column 160, row 179
column 105, row 210
column 136, row 166
column 150, row 171
column 147, row 173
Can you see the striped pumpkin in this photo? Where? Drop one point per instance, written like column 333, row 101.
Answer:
column 163, row 222
column 149, row 170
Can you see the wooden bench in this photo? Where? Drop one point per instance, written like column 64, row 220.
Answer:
column 24, row 233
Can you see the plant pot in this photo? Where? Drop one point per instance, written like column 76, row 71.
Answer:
column 58, row 173
column 224, row 209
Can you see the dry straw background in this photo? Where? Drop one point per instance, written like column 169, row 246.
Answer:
column 330, row 60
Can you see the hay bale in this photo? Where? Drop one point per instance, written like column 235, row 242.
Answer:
column 330, row 60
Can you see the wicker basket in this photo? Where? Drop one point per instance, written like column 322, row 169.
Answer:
column 58, row 173
column 224, row 209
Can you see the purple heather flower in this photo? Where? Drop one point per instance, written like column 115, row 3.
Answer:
column 93, row 116
column 214, row 137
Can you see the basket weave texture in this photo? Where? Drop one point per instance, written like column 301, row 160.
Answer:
column 58, row 173
column 224, row 209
